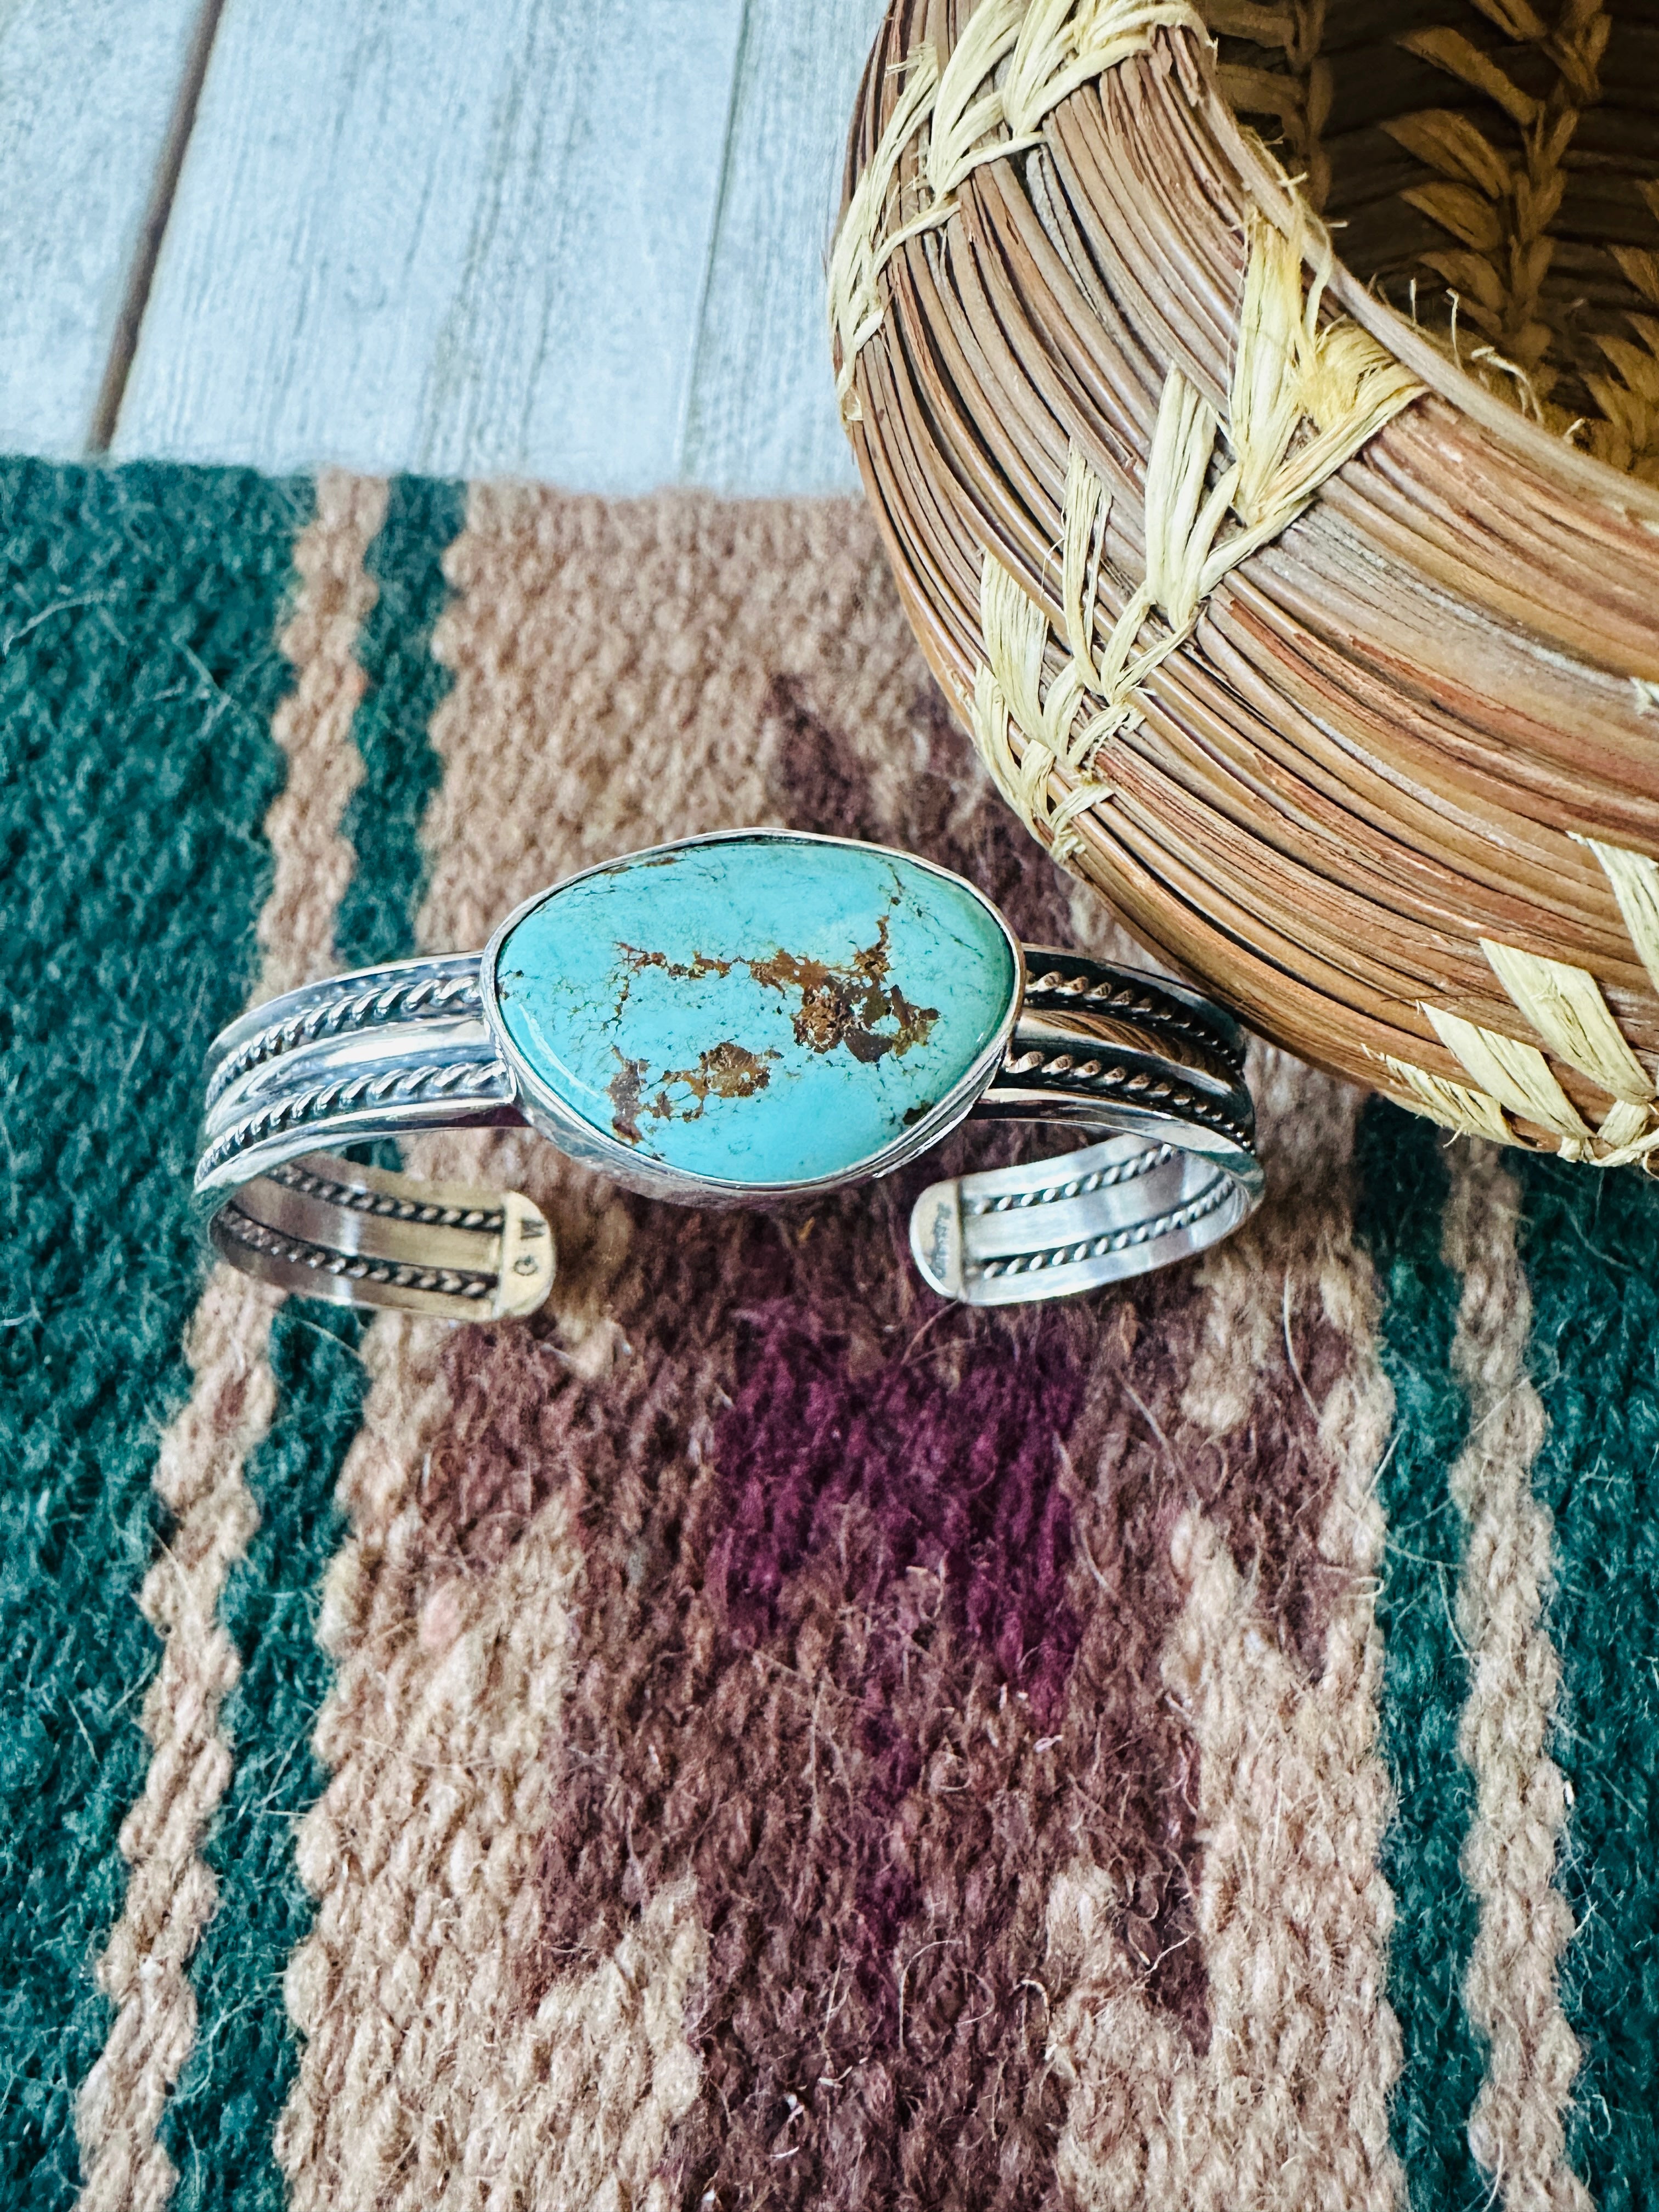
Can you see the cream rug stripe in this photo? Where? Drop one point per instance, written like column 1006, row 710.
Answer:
column 198, row 1475
column 1289, row 2105
column 1517, row 2128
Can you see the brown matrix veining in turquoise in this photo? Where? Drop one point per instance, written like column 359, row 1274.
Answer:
column 756, row 1010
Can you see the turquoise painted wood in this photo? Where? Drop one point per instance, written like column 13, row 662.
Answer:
column 756, row 1011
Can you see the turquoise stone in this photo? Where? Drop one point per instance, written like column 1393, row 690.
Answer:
column 757, row 1009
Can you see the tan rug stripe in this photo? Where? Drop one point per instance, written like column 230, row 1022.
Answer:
column 198, row 1473
column 610, row 665
column 312, row 726
column 1518, row 2128
column 1288, row 2105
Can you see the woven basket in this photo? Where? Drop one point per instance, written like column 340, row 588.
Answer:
column 1307, row 606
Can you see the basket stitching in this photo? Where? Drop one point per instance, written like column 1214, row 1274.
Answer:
column 1517, row 1076
column 1627, row 1127
column 855, row 305
column 1050, row 47
column 1566, row 1006
column 1454, row 1105
column 1305, row 398
column 1514, row 1073
column 1500, row 214
column 1297, row 97
column 1626, row 1137
column 1006, row 694
column 1630, row 404
column 1635, row 881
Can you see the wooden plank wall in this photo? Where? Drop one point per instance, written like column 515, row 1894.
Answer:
column 581, row 240
column 88, row 99
column 762, row 412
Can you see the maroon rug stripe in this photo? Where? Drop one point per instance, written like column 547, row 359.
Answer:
column 827, row 1708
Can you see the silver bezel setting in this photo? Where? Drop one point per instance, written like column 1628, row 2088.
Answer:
column 582, row 1139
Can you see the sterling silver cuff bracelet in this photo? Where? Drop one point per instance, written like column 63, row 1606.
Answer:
column 743, row 1019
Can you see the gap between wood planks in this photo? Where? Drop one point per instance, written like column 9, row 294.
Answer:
column 123, row 344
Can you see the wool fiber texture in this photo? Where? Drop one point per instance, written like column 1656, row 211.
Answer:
column 750, row 1735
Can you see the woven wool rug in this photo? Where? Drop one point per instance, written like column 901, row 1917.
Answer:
column 750, row 1736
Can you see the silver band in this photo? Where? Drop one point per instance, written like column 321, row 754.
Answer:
column 1102, row 1048
column 396, row 1050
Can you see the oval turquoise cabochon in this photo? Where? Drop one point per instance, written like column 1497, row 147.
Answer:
column 756, row 1010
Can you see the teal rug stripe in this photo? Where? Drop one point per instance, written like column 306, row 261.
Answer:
column 405, row 688
column 139, row 613
column 217, row 2127
column 1400, row 1218
column 220, row 2124
column 1591, row 1249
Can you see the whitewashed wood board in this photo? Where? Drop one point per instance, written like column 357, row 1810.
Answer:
column 469, row 237
column 762, row 415
column 87, row 90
